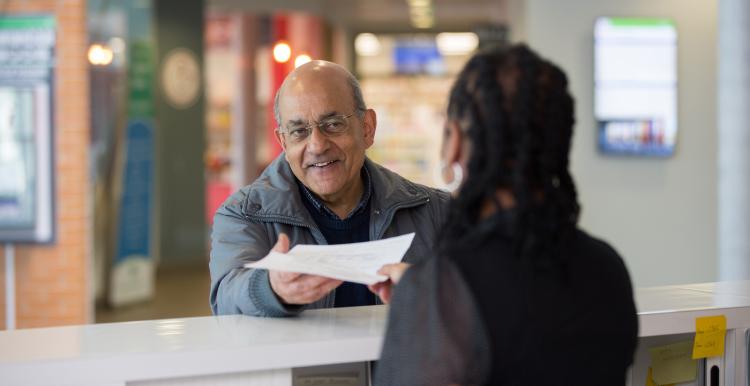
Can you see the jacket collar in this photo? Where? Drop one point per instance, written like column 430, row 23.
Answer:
column 274, row 196
column 313, row 199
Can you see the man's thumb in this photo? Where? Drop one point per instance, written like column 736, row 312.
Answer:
column 282, row 245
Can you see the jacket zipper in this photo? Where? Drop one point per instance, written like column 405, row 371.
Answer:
column 392, row 212
column 283, row 220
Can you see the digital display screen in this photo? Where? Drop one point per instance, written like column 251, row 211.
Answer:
column 635, row 85
column 418, row 56
column 17, row 158
column 26, row 174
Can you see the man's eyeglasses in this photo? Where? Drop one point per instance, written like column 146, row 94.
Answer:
column 331, row 127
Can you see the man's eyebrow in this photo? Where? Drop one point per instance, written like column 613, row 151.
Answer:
column 295, row 122
column 300, row 122
column 327, row 115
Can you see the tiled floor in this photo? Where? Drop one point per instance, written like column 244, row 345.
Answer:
column 179, row 293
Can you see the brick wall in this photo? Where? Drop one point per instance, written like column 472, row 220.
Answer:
column 52, row 282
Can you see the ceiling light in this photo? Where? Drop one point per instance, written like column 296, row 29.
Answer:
column 422, row 21
column 301, row 59
column 100, row 55
column 462, row 43
column 419, row 3
column 420, row 11
column 367, row 44
column 282, row 52
column 422, row 24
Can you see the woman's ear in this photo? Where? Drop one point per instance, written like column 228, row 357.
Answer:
column 453, row 143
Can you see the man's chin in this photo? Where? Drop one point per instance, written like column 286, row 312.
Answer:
column 325, row 190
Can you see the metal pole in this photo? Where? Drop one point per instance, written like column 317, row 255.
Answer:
column 10, row 287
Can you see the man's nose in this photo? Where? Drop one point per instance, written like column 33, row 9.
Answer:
column 317, row 142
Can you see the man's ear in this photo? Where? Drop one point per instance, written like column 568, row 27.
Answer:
column 280, row 139
column 369, row 125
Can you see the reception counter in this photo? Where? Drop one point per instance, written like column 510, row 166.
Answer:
column 234, row 350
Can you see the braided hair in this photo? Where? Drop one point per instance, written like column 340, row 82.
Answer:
column 516, row 112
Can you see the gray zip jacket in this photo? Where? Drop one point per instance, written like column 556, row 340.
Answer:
column 249, row 222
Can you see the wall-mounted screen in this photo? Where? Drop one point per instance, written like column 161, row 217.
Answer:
column 635, row 85
column 26, row 178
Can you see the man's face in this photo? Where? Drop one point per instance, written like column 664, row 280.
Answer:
column 328, row 165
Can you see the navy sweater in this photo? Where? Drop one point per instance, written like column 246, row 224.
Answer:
column 353, row 229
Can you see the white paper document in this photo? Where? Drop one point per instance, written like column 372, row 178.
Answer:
column 356, row 262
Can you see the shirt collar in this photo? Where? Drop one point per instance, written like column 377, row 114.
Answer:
column 363, row 201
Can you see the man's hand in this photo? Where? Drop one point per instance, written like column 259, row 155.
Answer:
column 394, row 272
column 298, row 288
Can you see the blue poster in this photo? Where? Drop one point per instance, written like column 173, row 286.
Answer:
column 133, row 268
column 134, row 223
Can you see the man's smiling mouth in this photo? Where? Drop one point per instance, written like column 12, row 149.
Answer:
column 322, row 164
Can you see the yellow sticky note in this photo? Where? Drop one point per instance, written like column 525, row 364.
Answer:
column 709, row 336
column 673, row 364
column 650, row 379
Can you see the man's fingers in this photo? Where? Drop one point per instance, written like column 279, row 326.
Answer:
column 295, row 288
column 320, row 291
column 318, row 281
column 328, row 286
column 287, row 277
column 313, row 284
column 302, row 293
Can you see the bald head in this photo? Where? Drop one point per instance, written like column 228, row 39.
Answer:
column 309, row 74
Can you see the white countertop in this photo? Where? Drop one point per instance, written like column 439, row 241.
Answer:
column 190, row 346
column 689, row 297
column 227, row 344
column 672, row 309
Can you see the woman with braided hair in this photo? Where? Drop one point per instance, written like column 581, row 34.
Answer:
column 517, row 294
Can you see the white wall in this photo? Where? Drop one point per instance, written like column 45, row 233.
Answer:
column 660, row 214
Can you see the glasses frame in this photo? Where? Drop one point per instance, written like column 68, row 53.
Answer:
column 317, row 124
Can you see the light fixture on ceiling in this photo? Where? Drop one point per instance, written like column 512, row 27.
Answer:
column 282, row 52
column 457, row 43
column 423, row 22
column 367, row 44
column 302, row 59
column 422, row 13
column 100, row 54
column 419, row 3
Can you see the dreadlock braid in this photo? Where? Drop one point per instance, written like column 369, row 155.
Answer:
column 516, row 112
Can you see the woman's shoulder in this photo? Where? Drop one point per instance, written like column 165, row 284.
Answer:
column 585, row 245
column 433, row 274
column 600, row 263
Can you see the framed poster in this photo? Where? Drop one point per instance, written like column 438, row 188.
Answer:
column 635, row 85
column 26, row 151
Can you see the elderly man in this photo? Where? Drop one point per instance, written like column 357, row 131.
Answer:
column 321, row 190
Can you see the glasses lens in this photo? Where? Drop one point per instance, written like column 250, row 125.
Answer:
column 329, row 126
column 298, row 134
column 334, row 125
